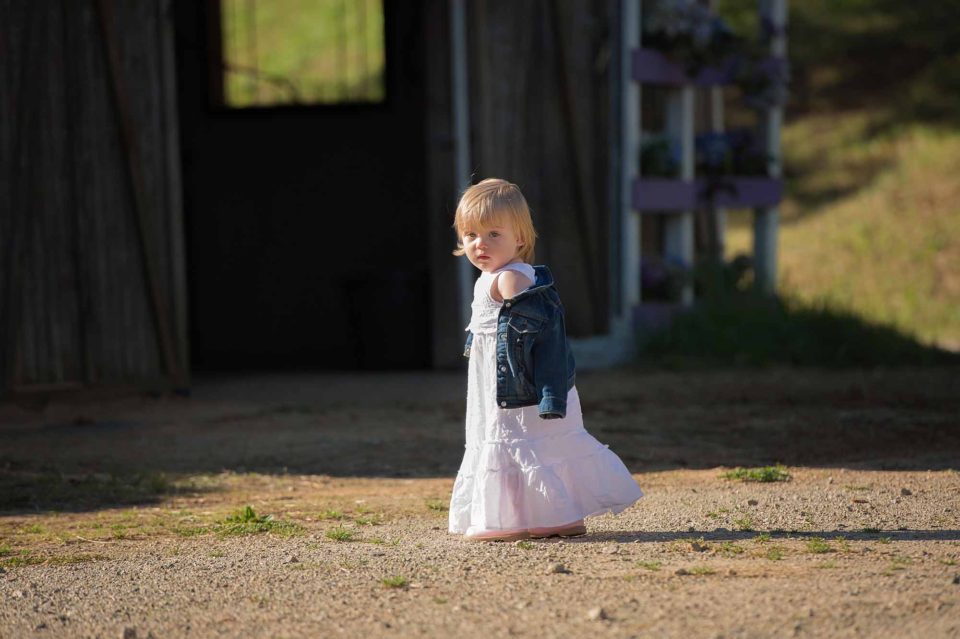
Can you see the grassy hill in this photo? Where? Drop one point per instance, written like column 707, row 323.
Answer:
column 871, row 224
column 871, row 153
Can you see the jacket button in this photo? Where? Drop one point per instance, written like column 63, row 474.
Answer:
column 507, row 304
column 503, row 403
column 503, row 369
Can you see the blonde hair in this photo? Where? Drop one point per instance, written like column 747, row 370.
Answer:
column 489, row 202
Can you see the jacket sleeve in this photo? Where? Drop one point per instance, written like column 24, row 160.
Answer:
column 550, row 368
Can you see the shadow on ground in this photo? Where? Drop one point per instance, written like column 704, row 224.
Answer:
column 78, row 454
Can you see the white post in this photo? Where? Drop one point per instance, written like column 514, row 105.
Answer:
column 717, row 125
column 461, row 136
column 766, row 219
column 630, row 162
column 678, row 240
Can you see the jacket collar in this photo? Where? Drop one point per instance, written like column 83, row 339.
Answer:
column 542, row 283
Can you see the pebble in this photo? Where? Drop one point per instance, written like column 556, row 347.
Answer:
column 697, row 546
column 557, row 568
column 681, row 571
column 596, row 614
column 129, row 633
column 905, row 491
column 752, row 502
column 956, row 580
column 292, row 559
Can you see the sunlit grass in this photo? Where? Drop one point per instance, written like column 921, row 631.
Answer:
column 869, row 222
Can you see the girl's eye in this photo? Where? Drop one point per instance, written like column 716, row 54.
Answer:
column 494, row 234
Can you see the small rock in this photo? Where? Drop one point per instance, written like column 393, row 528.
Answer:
column 129, row 633
column 681, row 571
column 829, row 480
column 752, row 502
column 435, row 528
column 731, row 572
column 596, row 614
column 17, row 594
column 697, row 546
column 291, row 559
column 557, row 568
column 905, row 491
column 612, row 550
column 956, row 580
column 522, row 604
column 690, row 528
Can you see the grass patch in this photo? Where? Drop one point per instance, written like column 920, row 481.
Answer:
column 884, row 540
column 379, row 541
column 701, row 570
column 397, row 581
column 330, row 514
column 525, row 545
column 774, row 553
column 649, row 565
column 778, row 472
column 827, row 564
column 340, row 534
column 818, row 545
column 729, row 549
column 843, row 543
column 897, row 563
column 743, row 524
column 762, row 538
column 870, row 530
column 246, row 522
column 437, row 505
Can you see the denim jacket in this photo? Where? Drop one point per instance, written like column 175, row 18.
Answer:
column 534, row 363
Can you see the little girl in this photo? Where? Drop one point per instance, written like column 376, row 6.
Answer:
column 530, row 469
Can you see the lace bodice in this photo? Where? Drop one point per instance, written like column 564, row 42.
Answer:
column 485, row 308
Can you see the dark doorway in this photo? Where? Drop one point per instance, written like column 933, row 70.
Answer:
column 306, row 225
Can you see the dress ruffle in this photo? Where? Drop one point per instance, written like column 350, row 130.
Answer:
column 520, row 471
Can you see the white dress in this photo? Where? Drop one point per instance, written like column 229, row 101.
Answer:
column 520, row 471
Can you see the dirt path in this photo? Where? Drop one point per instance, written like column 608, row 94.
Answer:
column 113, row 514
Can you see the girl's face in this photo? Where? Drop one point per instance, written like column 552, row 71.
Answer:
column 491, row 248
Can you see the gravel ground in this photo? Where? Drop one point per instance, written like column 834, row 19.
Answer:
column 112, row 511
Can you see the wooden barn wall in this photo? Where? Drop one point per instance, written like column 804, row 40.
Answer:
column 76, row 307
column 540, row 87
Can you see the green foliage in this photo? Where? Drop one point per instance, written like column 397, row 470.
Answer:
column 761, row 474
column 246, row 522
column 755, row 330
column 818, row 545
column 436, row 504
column 397, row 581
column 340, row 534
